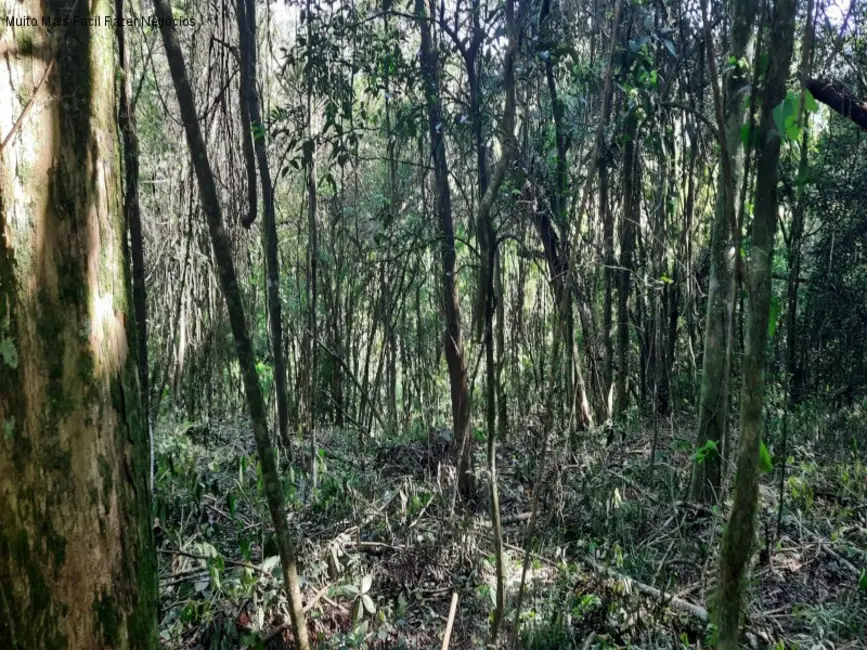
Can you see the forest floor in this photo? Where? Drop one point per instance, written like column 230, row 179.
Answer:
column 620, row 559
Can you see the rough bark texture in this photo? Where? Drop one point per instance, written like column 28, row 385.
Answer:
column 457, row 366
column 713, row 393
column 232, row 294
column 77, row 561
column 738, row 542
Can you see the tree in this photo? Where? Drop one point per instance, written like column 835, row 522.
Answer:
column 246, row 16
column 837, row 96
column 231, row 294
column 737, row 542
column 458, row 381
column 724, row 245
column 77, row 561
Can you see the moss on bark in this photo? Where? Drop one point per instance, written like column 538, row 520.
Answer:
column 73, row 448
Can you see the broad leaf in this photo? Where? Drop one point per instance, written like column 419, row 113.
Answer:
column 765, row 463
column 774, row 316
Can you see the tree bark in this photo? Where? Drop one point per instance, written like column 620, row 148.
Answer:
column 627, row 249
column 713, row 393
column 458, row 381
column 312, row 259
column 232, row 295
column 77, row 561
column 837, row 96
column 132, row 218
column 246, row 11
column 738, row 536
column 486, row 285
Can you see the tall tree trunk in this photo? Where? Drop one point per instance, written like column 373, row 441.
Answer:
column 458, row 381
column 738, row 538
column 792, row 378
column 132, row 218
column 246, row 10
column 312, row 258
column 609, row 277
column 627, row 249
column 566, row 280
column 77, row 561
column 232, row 295
column 502, row 405
column 486, row 286
column 713, row 394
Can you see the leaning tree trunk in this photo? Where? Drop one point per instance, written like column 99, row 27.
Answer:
column 234, row 304
column 738, row 542
column 460, row 394
column 77, row 561
column 713, row 394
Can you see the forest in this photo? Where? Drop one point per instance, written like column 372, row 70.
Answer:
column 433, row 324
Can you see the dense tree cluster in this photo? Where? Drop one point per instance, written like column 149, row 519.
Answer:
column 381, row 218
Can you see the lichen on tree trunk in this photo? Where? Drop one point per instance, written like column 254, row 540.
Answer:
column 77, row 563
column 737, row 541
column 713, row 393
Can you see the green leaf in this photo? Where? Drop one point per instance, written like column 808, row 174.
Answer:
column 774, row 317
column 862, row 581
column 708, row 450
column 810, row 102
column 765, row 463
column 368, row 604
column 779, row 113
column 348, row 591
column 745, row 134
column 366, row 582
column 8, row 353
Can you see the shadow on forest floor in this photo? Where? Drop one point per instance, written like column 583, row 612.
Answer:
column 620, row 559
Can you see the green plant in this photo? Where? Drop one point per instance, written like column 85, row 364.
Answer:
column 360, row 596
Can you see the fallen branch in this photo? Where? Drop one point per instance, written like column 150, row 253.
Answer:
column 508, row 521
column 226, row 560
column 672, row 601
column 452, row 610
column 319, row 595
column 825, row 545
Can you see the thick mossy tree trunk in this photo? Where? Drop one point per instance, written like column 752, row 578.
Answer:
column 77, row 561
column 713, row 393
column 458, row 381
column 738, row 542
column 232, row 295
